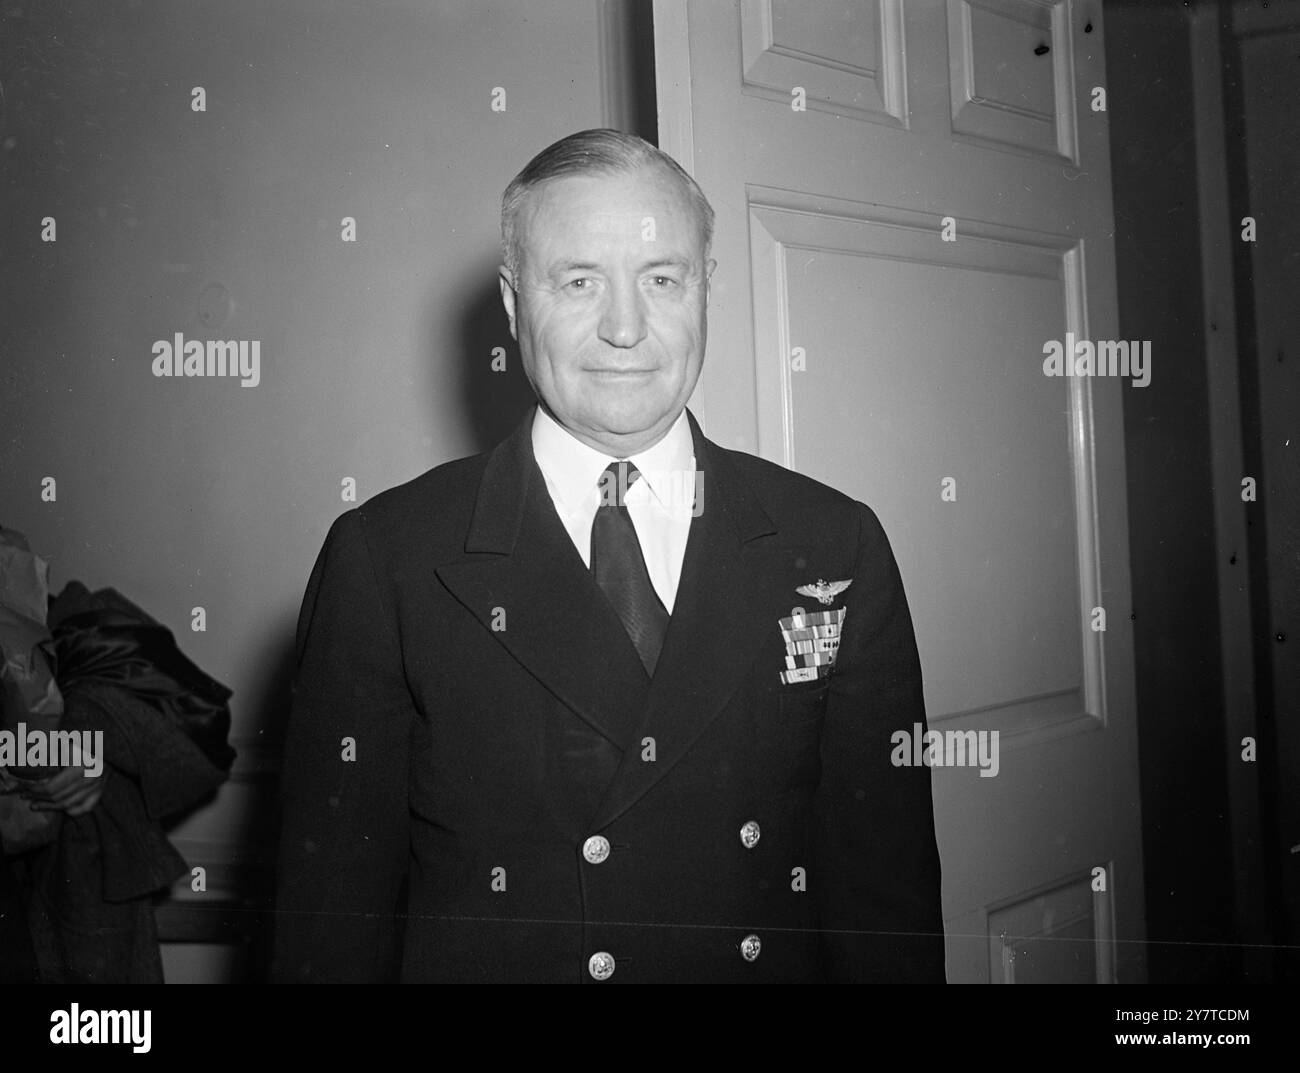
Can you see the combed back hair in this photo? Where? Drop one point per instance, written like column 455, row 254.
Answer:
column 592, row 152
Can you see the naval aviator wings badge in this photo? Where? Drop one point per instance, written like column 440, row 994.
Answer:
column 824, row 590
column 812, row 638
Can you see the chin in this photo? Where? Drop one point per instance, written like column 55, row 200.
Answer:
column 629, row 412
column 623, row 424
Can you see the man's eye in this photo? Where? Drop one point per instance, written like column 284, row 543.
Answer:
column 664, row 282
column 580, row 284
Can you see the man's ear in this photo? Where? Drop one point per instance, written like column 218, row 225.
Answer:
column 508, row 297
column 709, row 266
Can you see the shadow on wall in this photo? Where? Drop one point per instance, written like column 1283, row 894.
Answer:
column 493, row 402
column 257, row 832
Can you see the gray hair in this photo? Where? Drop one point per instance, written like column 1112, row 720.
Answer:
column 592, row 152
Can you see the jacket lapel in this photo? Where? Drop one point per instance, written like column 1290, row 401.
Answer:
column 716, row 627
column 557, row 622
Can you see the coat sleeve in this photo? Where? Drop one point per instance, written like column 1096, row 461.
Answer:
column 877, row 878
column 344, row 835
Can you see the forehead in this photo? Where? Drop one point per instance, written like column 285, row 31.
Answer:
column 611, row 211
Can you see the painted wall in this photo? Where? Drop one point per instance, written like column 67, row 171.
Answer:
column 1264, row 86
column 1185, row 826
column 187, row 493
column 1215, row 612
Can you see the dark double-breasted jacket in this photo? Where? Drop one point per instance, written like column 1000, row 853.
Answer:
column 482, row 784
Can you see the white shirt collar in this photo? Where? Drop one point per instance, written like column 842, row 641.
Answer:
column 574, row 469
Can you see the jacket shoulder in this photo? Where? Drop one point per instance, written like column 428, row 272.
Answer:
column 439, row 487
column 799, row 504
column 430, row 512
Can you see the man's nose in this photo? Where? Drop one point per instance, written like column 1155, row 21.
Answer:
column 622, row 321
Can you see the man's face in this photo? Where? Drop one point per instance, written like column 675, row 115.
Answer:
column 610, row 304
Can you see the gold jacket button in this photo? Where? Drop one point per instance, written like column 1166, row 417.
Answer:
column 750, row 834
column 601, row 965
column 750, row 947
column 595, row 849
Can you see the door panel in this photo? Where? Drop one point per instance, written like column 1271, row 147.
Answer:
column 850, row 341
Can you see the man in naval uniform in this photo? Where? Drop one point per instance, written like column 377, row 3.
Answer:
column 610, row 703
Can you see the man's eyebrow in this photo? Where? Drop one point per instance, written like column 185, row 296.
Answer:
column 574, row 266
column 668, row 262
column 559, row 267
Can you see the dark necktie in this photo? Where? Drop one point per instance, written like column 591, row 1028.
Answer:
column 619, row 567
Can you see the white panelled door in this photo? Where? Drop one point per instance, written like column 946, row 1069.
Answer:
column 913, row 199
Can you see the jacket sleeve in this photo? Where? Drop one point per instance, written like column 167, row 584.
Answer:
column 344, row 835
column 877, row 878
